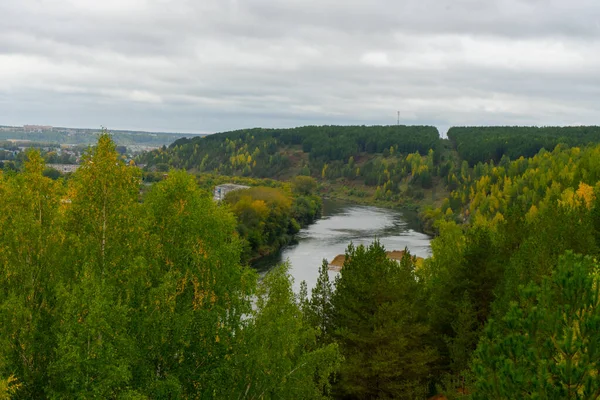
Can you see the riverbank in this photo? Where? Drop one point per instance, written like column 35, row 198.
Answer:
column 268, row 218
column 413, row 206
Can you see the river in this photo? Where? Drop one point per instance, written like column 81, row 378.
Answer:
column 342, row 223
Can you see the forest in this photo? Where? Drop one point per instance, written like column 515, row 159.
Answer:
column 109, row 291
column 381, row 157
column 491, row 143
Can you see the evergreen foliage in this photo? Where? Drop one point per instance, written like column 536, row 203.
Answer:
column 379, row 322
column 546, row 346
column 491, row 143
column 375, row 155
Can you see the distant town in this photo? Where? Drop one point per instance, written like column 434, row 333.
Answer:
column 47, row 134
column 62, row 147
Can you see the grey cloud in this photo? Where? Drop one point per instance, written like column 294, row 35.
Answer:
column 222, row 64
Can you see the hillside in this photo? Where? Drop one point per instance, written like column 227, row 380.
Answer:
column 382, row 157
column 389, row 164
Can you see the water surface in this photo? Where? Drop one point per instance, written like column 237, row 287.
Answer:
column 341, row 224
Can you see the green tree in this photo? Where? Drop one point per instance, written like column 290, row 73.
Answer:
column 379, row 323
column 104, row 208
column 303, row 185
column 30, row 264
column 277, row 355
column 547, row 344
column 94, row 350
column 201, row 292
column 320, row 308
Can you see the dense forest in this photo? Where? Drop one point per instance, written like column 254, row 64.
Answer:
column 112, row 292
column 386, row 158
column 491, row 143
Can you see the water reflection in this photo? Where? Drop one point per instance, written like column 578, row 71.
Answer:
column 341, row 224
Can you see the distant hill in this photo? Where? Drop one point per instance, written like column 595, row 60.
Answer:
column 309, row 150
column 490, row 143
column 385, row 161
column 63, row 135
column 395, row 161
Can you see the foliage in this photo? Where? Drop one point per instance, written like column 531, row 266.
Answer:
column 377, row 155
column 492, row 143
column 304, row 185
column 319, row 309
column 516, row 219
column 269, row 217
column 107, row 295
column 546, row 346
column 8, row 387
column 379, row 322
column 287, row 362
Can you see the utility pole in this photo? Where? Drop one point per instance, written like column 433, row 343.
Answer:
column 398, row 118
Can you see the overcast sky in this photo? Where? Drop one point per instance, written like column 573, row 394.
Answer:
column 213, row 65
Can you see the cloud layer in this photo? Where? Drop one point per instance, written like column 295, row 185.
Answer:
column 212, row 65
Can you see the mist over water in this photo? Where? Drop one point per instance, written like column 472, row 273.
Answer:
column 343, row 223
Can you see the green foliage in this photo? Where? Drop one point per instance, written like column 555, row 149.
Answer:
column 517, row 219
column 303, row 185
column 103, row 295
column 286, row 362
column 325, row 152
column 319, row 310
column 107, row 293
column 492, row 143
column 379, row 322
column 52, row 173
column 269, row 217
column 546, row 346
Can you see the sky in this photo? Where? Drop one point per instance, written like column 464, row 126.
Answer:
column 214, row 65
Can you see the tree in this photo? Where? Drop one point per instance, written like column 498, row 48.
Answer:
column 278, row 356
column 106, row 296
column 320, row 308
column 380, row 327
column 30, row 264
column 200, row 293
column 104, row 208
column 52, row 173
column 547, row 344
column 94, row 350
column 303, row 185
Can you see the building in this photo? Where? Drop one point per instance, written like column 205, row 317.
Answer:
column 64, row 168
column 221, row 190
column 37, row 128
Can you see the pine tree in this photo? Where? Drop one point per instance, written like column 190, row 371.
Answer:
column 379, row 324
column 320, row 309
column 547, row 345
